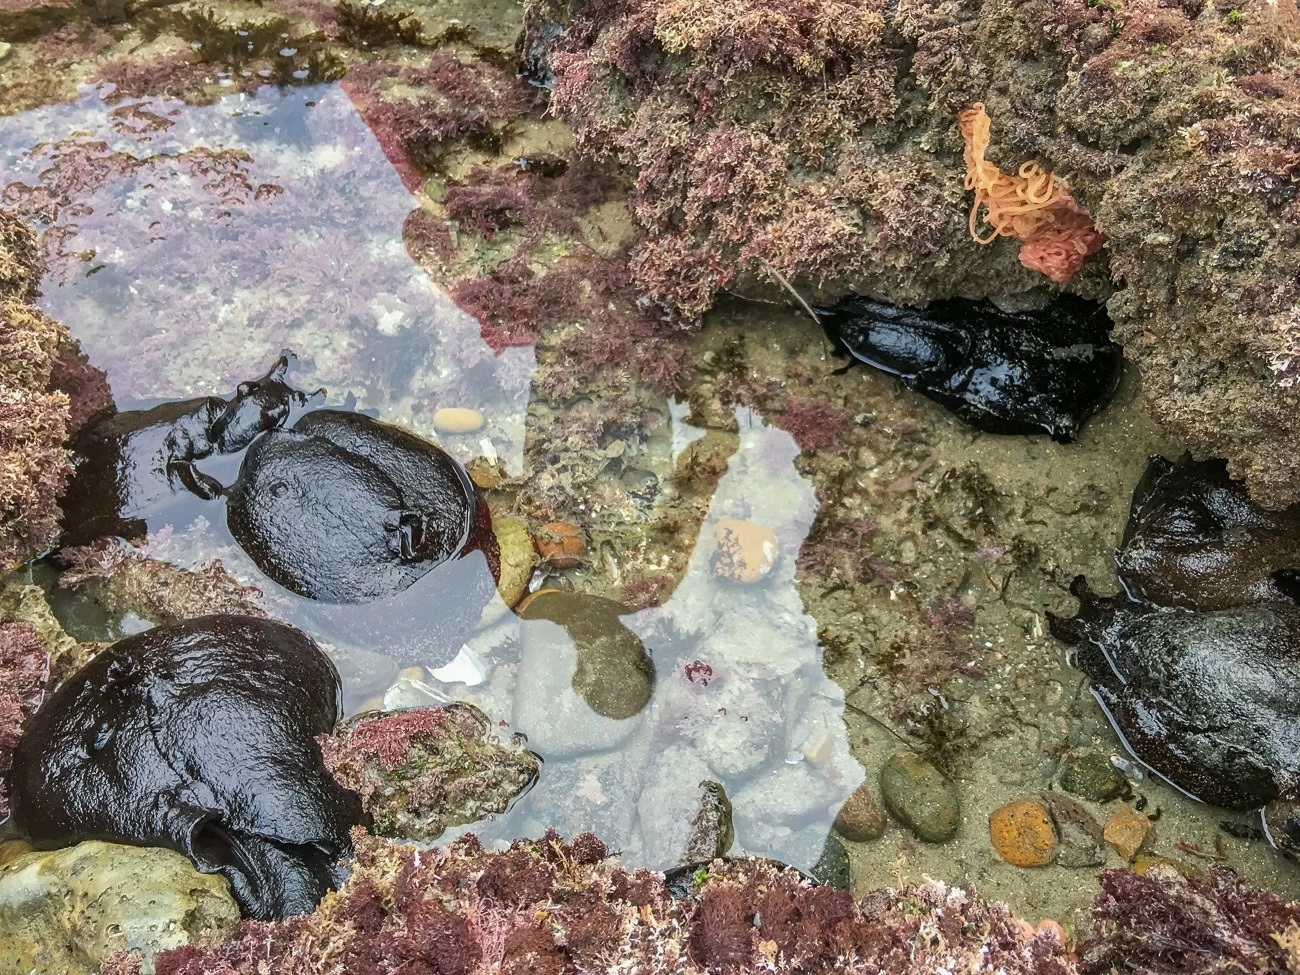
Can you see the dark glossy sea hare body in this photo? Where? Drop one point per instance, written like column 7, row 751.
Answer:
column 1026, row 372
column 1195, row 539
column 128, row 464
column 199, row 736
column 1208, row 700
column 345, row 509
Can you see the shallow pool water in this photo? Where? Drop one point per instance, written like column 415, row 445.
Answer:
column 187, row 245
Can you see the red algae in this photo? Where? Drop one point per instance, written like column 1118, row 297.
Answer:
column 24, row 668
column 550, row 906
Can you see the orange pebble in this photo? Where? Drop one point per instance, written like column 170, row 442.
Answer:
column 561, row 543
column 1022, row 833
column 1128, row 832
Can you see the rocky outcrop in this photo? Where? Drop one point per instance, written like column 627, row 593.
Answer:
column 818, row 140
column 71, row 910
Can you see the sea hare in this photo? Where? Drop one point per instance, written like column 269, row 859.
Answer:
column 1043, row 371
column 345, row 509
column 1205, row 699
column 127, row 466
column 199, row 736
column 381, row 535
column 1195, row 539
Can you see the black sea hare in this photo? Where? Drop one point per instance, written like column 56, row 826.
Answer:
column 1206, row 699
column 1025, row 372
column 199, row 736
column 127, row 465
column 1195, row 539
column 345, row 509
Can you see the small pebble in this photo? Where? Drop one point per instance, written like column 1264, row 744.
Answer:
column 860, row 818
column 743, row 551
column 458, row 419
column 1022, row 833
column 5, row 48
column 920, row 797
column 1128, row 832
column 561, row 544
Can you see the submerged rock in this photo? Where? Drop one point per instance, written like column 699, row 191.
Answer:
column 712, row 832
column 200, row 737
column 424, row 770
column 1207, row 700
column 1024, row 372
column 68, row 910
column 1195, row 539
column 920, row 797
column 613, row 674
column 584, row 678
column 127, row 466
column 1090, row 775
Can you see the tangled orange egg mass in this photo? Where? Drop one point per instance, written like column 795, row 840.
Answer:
column 1057, row 234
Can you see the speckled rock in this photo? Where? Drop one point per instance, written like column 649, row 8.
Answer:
column 1081, row 841
column 711, row 830
column 920, row 797
column 860, row 818
column 1090, row 775
column 424, row 770
column 743, row 551
column 64, row 912
column 1022, row 833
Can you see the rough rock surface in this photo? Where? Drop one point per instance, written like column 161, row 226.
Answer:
column 818, row 139
column 421, row 771
column 33, row 418
column 547, row 906
column 69, row 910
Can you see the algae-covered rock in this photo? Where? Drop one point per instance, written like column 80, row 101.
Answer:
column 68, row 910
column 822, row 144
column 424, row 770
column 920, row 797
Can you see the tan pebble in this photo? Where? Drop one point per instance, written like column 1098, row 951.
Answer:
column 1022, row 833
column 860, row 818
column 375, row 703
column 743, row 551
column 457, row 419
column 1128, row 832
column 561, row 543
column 411, row 673
column 517, row 559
